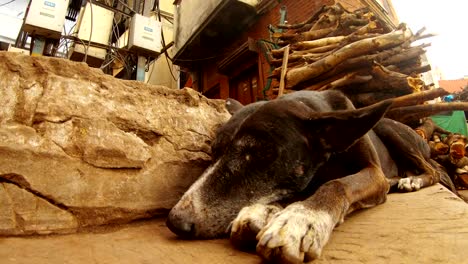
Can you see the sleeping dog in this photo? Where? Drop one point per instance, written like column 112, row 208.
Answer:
column 286, row 172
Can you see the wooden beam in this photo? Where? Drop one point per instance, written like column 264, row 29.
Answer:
column 284, row 68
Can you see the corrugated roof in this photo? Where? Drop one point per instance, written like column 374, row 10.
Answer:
column 453, row 86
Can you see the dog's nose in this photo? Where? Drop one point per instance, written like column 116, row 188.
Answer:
column 179, row 226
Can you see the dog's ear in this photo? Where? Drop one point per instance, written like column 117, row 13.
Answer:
column 233, row 105
column 339, row 130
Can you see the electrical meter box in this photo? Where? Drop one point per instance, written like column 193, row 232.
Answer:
column 45, row 17
column 145, row 35
column 96, row 28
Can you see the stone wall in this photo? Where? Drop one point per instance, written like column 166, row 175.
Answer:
column 79, row 148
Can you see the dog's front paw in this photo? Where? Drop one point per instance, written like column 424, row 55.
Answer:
column 249, row 222
column 295, row 235
column 410, row 184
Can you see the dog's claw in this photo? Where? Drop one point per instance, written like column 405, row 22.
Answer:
column 249, row 222
column 295, row 235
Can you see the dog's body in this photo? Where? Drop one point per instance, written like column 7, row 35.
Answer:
column 311, row 151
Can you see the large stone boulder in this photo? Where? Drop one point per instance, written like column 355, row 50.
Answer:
column 79, row 148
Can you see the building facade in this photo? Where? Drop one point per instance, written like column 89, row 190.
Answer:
column 223, row 51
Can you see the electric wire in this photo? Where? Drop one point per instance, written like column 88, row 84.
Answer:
column 125, row 5
column 151, row 71
column 9, row 2
column 164, row 42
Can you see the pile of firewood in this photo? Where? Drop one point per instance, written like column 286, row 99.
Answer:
column 354, row 53
column 350, row 51
column 448, row 149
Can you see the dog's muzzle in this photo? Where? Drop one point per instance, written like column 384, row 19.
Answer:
column 180, row 225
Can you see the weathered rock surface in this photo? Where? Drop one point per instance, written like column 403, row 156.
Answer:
column 79, row 148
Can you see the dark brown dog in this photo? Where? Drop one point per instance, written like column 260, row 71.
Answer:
column 313, row 153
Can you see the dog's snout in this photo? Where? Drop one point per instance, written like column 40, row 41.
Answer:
column 180, row 226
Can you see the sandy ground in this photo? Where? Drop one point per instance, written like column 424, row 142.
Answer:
column 429, row 226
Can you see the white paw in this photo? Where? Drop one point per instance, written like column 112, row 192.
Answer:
column 410, row 184
column 295, row 235
column 249, row 222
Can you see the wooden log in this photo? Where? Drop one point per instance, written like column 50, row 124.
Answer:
column 418, row 98
column 383, row 81
column 309, row 35
column 368, row 28
column 427, row 128
column 351, row 19
column 276, row 73
column 323, row 49
column 283, row 71
column 329, row 19
column 326, row 17
column 302, row 58
column 304, row 45
column 407, row 66
column 410, row 114
column 457, row 143
column 279, row 53
column 383, row 85
column 406, row 55
column 419, row 35
column 381, row 71
column 348, row 79
column 368, row 98
column 364, row 32
column 317, row 85
column 361, row 62
column 416, row 70
column 358, row 48
column 438, row 148
column 391, row 77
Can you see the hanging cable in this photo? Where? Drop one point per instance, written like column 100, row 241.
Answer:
column 129, row 8
column 4, row 4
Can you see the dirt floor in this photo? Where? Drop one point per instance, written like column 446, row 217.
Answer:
column 429, row 226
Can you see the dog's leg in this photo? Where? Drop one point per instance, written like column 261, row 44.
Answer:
column 409, row 149
column 298, row 233
column 249, row 222
column 430, row 175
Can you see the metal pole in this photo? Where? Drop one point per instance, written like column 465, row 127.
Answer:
column 141, row 69
column 38, row 47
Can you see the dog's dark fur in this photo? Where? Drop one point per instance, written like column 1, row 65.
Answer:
column 311, row 151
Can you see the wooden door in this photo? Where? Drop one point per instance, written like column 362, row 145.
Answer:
column 244, row 86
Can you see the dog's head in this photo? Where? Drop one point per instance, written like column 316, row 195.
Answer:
column 266, row 152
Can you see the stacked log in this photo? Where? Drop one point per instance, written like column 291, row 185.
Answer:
column 351, row 52
column 449, row 150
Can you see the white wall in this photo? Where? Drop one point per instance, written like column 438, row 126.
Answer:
column 160, row 71
column 10, row 28
column 189, row 15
